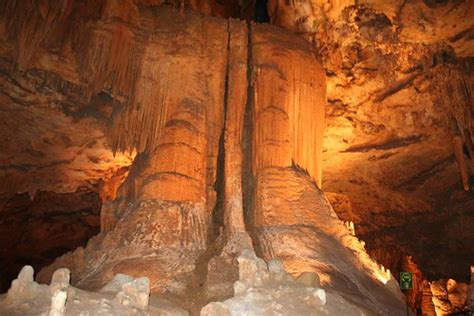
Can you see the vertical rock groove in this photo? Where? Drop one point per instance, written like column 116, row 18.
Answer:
column 247, row 139
column 236, row 96
column 220, row 185
column 214, row 241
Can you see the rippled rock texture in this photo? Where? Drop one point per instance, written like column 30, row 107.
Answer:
column 203, row 138
column 398, row 142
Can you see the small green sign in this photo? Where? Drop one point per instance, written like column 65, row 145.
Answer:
column 406, row 280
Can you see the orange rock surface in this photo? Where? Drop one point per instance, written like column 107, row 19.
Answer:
column 206, row 137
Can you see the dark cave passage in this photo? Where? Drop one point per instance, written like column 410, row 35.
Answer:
column 261, row 11
column 37, row 231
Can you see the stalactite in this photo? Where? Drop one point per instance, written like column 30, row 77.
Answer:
column 31, row 22
column 108, row 57
column 457, row 95
column 142, row 125
column 107, row 52
column 458, row 152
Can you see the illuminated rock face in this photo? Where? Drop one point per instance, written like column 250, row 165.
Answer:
column 204, row 136
column 223, row 121
column 185, row 122
column 161, row 218
column 399, row 122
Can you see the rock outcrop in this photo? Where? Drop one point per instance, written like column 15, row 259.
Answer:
column 399, row 120
column 131, row 297
column 203, row 139
column 449, row 297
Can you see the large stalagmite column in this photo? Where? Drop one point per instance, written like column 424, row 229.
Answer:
column 160, row 222
column 290, row 217
column 227, row 119
column 288, row 121
column 288, row 103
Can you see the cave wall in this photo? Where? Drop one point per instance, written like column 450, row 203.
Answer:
column 36, row 231
column 399, row 121
column 180, row 126
column 205, row 121
column 223, row 126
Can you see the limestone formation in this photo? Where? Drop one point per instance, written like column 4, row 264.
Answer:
column 427, row 305
column 181, row 136
column 116, row 284
column 133, row 298
column 135, row 294
column 58, row 302
column 449, row 296
column 265, row 290
column 60, row 280
column 399, row 74
column 268, row 290
column 203, row 139
column 23, row 287
column 172, row 197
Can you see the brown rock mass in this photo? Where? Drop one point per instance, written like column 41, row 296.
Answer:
column 190, row 142
column 398, row 141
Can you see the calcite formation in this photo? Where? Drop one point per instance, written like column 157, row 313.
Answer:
column 399, row 120
column 448, row 296
column 265, row 289
column 122, row 296
column 174, row 120
column 261, row 289
column 202, row 138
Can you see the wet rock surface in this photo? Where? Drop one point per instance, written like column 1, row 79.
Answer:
column 399, row 91
column 205, row 140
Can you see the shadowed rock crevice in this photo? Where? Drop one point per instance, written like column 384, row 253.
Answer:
column 37, row 230
column 219, row 184
column 196, row 289
column 386, row 144
column 261, row 11
column 248, row 173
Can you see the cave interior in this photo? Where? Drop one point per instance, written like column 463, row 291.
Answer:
column 236, row 157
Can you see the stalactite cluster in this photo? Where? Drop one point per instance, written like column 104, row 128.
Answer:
column 31, row 23
column 106, row 52
column 184, row 104
column 457, row 95
column 224, row 123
